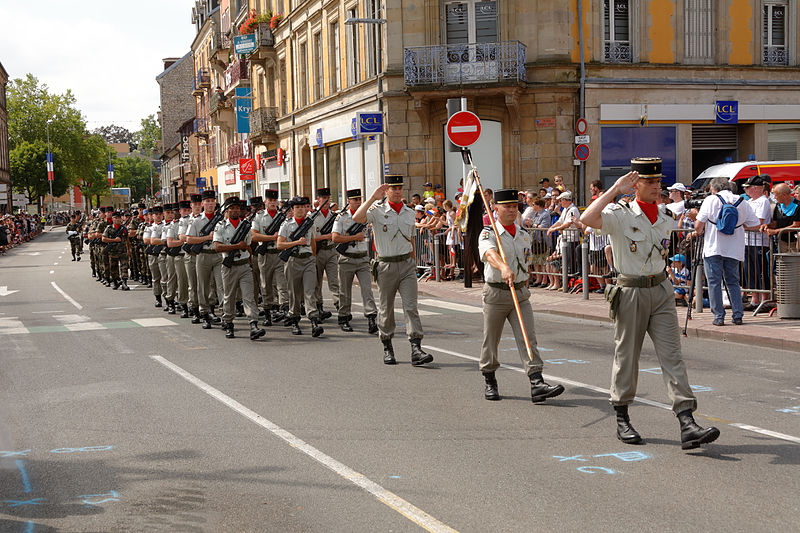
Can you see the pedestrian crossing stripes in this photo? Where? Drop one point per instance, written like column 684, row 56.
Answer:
column 14, row 326
column 451, row 306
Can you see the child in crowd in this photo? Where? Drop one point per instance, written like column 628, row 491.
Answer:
column 428, row 193
column 679, row 275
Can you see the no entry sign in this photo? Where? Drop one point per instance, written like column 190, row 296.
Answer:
column 582, row 152
column 463, row 128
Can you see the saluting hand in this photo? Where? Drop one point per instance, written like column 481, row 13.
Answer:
column 626, row 184
column 380, row 192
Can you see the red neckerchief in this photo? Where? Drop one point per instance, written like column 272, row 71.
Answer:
column 324, row 212
column 299, row 221
column 141, row 218
column 235, row 222
column 109, row 221
column 352, row 212
column 651, row 210
column 511, row 229
column 116, row 226
column 272, row 213
column 396, row 207
column 209, row 216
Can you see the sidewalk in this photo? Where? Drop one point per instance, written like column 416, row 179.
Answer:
column 761, row 330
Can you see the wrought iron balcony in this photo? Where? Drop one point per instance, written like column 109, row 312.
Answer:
column 202, row 127
column 203, row 78
column 459, row 64
column 617, row 52
column 237, row 151
column 263, row 121
column 775, row 55
column 237, row 72
column 218, row 102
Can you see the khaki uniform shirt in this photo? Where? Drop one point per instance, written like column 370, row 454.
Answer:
column 342, row 224
column 260, row 224
column 223, row 234
column 154, row 231
column 637, row 245
column 393, row 232
column 183, row 225
column 171, row 230
column 517, row 250
column 197, row 225
column 288, row 226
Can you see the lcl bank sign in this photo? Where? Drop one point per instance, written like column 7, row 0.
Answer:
column 726, row 112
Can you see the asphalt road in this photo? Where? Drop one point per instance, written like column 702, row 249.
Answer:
column 115, row 416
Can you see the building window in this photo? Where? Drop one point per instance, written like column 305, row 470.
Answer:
column 372, row 36
column 318, row 72
column 616, row 31
column 699, row 31
column 270, row 81
column 302, row 74
column 471, row 21
column 774, row 33
column 335, row 59
column 353, row 51
column 284, row 94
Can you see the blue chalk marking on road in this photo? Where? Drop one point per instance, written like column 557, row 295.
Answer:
column 701, row 388
column 655, row 370
column 395, row 476
column 795, row 409
column 562, row 458
column 561, row 361
column 19, row 503
column 110, row 496
column 22, row 453
column 83, row 449
column 591, row 470
column 29, row 526
column 626, row 456
column 26, row 483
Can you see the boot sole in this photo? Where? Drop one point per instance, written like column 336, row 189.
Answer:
column 258, row 335
column 711, row 436
column 552, row 394
column 636, row 440
column 423, row 361
column 318, row 332
column 392, row 362
column 492, row 398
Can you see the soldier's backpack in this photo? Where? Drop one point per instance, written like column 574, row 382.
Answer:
column 728, row 217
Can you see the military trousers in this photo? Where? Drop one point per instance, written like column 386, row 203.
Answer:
column 143, row 260
column 394, row 278
column 327, row 264
column 93, row 258
column 75, row 246
column 182, row 282
column 165, row 276
column 238, row 279
column 349, row 268
column 118, row 266
column 273, row 280
column 301, row 277
column 256, row 278
column 498, row 307
column 649, row 310
column 189, row 266
column 105, row 260
column 209, row 268
column 152, row 261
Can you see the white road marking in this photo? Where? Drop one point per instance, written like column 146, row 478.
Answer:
column 392, row 500
column 45, row 312
column 71, row 319
column 114, row 308
column 52, row 271
column 645, row 401
column 84, row 326
column 10, row 325
column 422, row 312
column 153, row 322
column 65, row 295
column 54, row 264
column 451, row 306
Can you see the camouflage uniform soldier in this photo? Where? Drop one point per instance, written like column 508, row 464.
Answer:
column 99, row 256
column 88, row 230
column 103, row 250
column 145, row 221
column 133, row 245
column 115, row 237
column 74, row 236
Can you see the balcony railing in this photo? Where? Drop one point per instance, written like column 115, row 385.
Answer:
column 202, row 127
column 775, row 55
column 237, row 151
column 617, row 52
column 457, row 64
column 217, row 102
column 264, row 37
column 237, row 72
column 203, row 78
column 263, row 121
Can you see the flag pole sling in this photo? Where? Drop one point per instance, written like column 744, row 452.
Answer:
column 502, row 254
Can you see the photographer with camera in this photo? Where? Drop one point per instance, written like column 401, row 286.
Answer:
column 729, row 215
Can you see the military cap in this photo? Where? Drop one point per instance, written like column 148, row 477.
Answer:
column 299, row 200
column 209, row 194
column 116, row 214
column 102, row 209
column 323, row 191
column 195, row 198
column 256, row 200
column 232, row 200
column 354, row 193
column 506, row 196
column 184, row 204
column 156, row 209
column 393, row 179
column 170, row 207
column 647, row 167
column 271, row 194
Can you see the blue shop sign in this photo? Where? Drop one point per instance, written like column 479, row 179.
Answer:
column 319, row 137
column 354, row 128
column 244, row 44
column 369, row 123
column 727, row 112
column 244, row 105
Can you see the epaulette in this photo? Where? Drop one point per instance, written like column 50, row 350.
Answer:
column 664, row 209
column 616, row 206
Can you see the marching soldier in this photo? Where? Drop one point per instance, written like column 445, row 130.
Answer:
column 238, row 277
column 106, row 261
column 498, row 303
column 394, row 268
column 274, row 293
column 256, row 209
column 642, row 300
column 152, row 237
column 208, row 261
column 115, row 236
column 169, row 281
column 88, row 230
column 146, row 220
column 133, row 244
column 74, row 236
column 190, row 259
column 327, row 261
column 175, row 258
column 354, row 262
column 301, row 274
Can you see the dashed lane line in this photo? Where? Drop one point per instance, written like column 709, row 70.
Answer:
column 411, row 512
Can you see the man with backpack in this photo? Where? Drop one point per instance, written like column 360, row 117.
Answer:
column 723, row 218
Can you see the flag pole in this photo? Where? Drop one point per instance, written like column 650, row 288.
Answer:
column 468, row 159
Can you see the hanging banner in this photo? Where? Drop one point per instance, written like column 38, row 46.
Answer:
column 244, row 105
column 49, row 166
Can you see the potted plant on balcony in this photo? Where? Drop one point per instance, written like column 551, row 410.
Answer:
column 275, row 20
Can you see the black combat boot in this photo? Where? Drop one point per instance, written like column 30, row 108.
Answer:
column 278, row 313
column 540, row 391
column 295, row 324
column 302, row 309
column 158, row 302
column 323, row 315
column 267, row 318
column 344, row 323
column 207, row 321
column 197, row 316
column 73, row 257
column 372, row 325
column 692, row 435
column 316, row 329
column 185, row 309
column 94, row 274
column 388, row 352
column 124, row 285
column 625, row 431
column 239, row 309
column 228, row 327
column 149, row 282
column 79, row 257
column 107, row 282
column 116, row 285
column 214, row 318
column 491, row 392
column 172, row 309
column 419, row 357
column 255, row 331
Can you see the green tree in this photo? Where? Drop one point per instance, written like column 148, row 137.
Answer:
column 148, row 138
column 29, row 171
column 114, row 134
column 133, row 172
column 92, row 160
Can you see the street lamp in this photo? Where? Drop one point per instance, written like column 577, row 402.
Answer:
column 47, row 129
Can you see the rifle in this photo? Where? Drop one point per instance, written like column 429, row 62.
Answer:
column 301, row 231
column 328, row 226
column 273, row 227
column 120, row 230
column 355, row 228
column 238, row 236
column 175, row 250
column 219, row 215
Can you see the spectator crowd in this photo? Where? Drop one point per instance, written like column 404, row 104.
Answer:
column 17, row 229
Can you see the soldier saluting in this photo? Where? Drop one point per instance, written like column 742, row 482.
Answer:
column 394, row 270
column 642, row 300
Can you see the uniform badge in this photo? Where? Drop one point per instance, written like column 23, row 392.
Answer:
column 385, row 228
column 526, row 253
column 633, row 247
